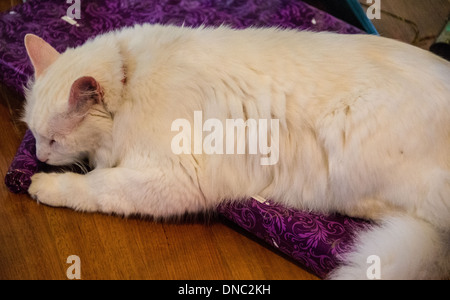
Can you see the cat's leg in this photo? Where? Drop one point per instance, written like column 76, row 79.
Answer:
column 115, row 190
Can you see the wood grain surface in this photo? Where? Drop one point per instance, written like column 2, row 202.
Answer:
column 36, row 240
column 416, row 22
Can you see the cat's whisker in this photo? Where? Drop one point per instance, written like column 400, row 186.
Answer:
column 80, row 166
column 100, row 116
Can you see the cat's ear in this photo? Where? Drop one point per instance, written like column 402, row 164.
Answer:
column 41, row 54
column 84, row 93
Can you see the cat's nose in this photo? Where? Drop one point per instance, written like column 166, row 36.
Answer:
column 42, row 159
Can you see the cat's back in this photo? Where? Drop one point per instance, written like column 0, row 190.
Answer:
column 286, row 69
column 271, row 50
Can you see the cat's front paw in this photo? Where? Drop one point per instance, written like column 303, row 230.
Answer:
column 45, row 188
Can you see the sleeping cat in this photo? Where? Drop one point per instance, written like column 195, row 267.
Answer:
column 363, row 130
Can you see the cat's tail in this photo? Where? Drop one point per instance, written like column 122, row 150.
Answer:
column 401, row 247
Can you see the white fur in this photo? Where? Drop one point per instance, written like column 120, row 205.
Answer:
column 408, row 248
column 364, row 130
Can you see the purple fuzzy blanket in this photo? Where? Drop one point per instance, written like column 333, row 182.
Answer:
column 314, row 240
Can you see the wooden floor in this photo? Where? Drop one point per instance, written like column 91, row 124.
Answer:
column 416, row 22
column 35, row 240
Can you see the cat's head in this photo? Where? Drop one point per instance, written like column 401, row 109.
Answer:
column 65, row 103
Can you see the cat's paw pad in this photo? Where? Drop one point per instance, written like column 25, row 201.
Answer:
column 44, row 189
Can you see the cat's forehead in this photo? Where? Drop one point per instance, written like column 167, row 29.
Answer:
column 44, row 103
column 37, row 123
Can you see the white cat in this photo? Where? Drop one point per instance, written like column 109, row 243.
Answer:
column 364, row 130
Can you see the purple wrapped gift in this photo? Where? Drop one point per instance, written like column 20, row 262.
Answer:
column 316, row 241
column 24, row 165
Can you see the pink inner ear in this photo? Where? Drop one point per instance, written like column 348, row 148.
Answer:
column 41, row 54
column 84, row 93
